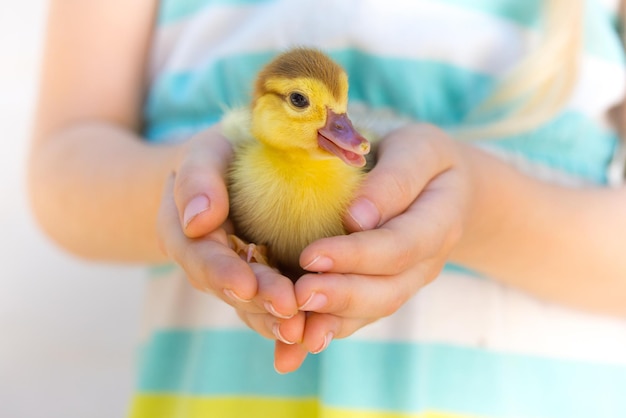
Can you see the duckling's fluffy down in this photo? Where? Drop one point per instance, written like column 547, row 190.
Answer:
column 282, row 204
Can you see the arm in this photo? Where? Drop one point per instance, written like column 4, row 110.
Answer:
column 86, row 141
column 559, row 243
column 95, row 184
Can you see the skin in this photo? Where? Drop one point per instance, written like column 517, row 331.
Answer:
column 104, row 194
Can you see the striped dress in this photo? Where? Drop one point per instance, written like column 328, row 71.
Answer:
column 464, row 346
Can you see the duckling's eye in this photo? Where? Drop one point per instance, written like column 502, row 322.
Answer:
column 299, row 100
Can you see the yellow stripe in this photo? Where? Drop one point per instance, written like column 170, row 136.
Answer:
column 171, row 406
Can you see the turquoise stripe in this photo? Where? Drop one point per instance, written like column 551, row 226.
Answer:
column 219, row 363
column 523, row 13
column 430, row 91
column 178, row 129
column 458, row 269
column 470, row 381
column 174, row 10
column 571, row 142
column 520, row 12
column 601, row 36
column 199, row 98
column 161, row 270
column 397, row 377
column 433, row 92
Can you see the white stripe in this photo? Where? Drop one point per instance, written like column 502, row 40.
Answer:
column 601, row 85
column 454, row 309
column 422, row 29
column 466, row 311
column 610, row 5
column 171, row 302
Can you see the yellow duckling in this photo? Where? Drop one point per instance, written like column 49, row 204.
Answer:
column 298, row 160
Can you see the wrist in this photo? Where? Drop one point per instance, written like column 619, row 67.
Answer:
column 491, row 190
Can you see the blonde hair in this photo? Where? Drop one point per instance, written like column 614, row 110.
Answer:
column 541, row 84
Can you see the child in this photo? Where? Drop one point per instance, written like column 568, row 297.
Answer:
column 528, row 321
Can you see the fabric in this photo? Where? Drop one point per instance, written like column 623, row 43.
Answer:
column 464, row 346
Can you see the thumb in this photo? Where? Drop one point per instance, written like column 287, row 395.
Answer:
column 408, row 159
column 200, row 189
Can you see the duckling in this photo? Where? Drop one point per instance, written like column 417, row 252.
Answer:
column 298, row 159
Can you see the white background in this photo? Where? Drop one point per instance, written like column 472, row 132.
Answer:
column 67, row 328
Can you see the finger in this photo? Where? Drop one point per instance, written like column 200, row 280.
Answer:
column 431, row 225
column 210, row 265
column 357, row 296
column 408, row 159
column 322, row 329
column 275, row 294
column 200, row 191
column 387, row 250
column 288, row 358
column 288, row 331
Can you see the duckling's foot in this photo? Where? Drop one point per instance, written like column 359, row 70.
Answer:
column 249, row 252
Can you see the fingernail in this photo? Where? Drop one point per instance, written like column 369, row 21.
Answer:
column 278, row 371
column 365, row 214
column 278, row 335
column 327, row 339
column 315, row 302
column 196, row 206
column 232, row 295
column 319, row 263
column 270, row 308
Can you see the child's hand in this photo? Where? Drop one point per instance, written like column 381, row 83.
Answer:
column 193, row 229
column 410, row 213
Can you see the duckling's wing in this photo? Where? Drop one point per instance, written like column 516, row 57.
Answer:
column 236, row 128
column 236, row 125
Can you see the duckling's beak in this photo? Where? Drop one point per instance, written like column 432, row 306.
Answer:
column 339, row 137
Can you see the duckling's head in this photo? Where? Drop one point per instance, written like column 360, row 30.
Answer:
column 300, row 103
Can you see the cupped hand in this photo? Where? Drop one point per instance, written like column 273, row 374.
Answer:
column 193, row 228
column 408, row 216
